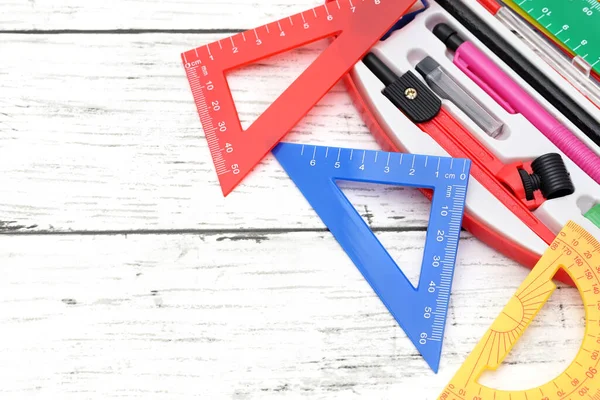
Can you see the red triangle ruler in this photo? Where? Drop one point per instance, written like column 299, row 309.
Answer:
column 355, row 25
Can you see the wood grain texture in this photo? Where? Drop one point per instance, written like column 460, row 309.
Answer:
column 126, row 274
column 268, row 316
column 144, row 14
column 100, row 132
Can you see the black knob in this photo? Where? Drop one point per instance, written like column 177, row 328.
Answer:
column 550, row 175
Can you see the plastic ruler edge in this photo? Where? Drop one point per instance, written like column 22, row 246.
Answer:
column 236, row 152
column 575, row 25
column 421, row 312
column 578, row 252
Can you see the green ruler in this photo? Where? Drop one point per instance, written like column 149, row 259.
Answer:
column 574, row 24
column 594, row 215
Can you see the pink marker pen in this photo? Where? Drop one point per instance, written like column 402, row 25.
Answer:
column 514, row 99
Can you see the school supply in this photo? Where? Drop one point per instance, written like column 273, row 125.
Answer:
column 350, row 27
column 521, row 187
column 356, row 25
column 420, row 311
column 593, row 214
column 574, row 69
column 501, row 218
column 562, row 101
column 577, row 252
column 447, row 88
column 572, row 25
column 514, row 99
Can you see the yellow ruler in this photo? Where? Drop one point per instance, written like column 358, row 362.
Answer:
column 578, row 253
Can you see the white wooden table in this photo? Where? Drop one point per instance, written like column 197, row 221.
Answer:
column 126, row 274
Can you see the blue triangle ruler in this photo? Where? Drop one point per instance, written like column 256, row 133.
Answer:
column 421, row 312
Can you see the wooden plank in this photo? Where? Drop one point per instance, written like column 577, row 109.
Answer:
column 244, row 317
column 145, row 14
column 100, row 132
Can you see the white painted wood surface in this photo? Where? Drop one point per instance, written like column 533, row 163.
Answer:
column 101, row 133
column 200, row 15
column 125, row 272
column 230, row 316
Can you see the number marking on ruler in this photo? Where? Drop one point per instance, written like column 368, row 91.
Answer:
column 575, row 23
column 578, row 253
column 421, row 311
column 235, row 152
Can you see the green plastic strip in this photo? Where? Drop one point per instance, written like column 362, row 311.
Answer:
column 594, row 215
column 573, row 23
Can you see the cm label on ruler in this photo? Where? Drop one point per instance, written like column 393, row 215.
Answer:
column 236, row 151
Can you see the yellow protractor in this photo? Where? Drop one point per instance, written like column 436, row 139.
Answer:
column 578, row 253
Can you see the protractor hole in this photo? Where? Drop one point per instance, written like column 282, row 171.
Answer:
column 547, row 347
column 398, row 217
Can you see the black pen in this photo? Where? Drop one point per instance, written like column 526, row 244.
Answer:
column 524, row 68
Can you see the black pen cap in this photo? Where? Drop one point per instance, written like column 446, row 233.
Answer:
column 378, row 67
column 448, row 35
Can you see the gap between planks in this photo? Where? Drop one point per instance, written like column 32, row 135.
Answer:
column 20, row 15
column 123, row 148
column 182, row 315
column 15, row 231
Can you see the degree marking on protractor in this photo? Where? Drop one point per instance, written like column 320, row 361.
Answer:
column 572, row 246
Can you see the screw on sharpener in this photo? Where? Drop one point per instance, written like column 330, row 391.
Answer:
column 411, row 93
column 402, row 91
